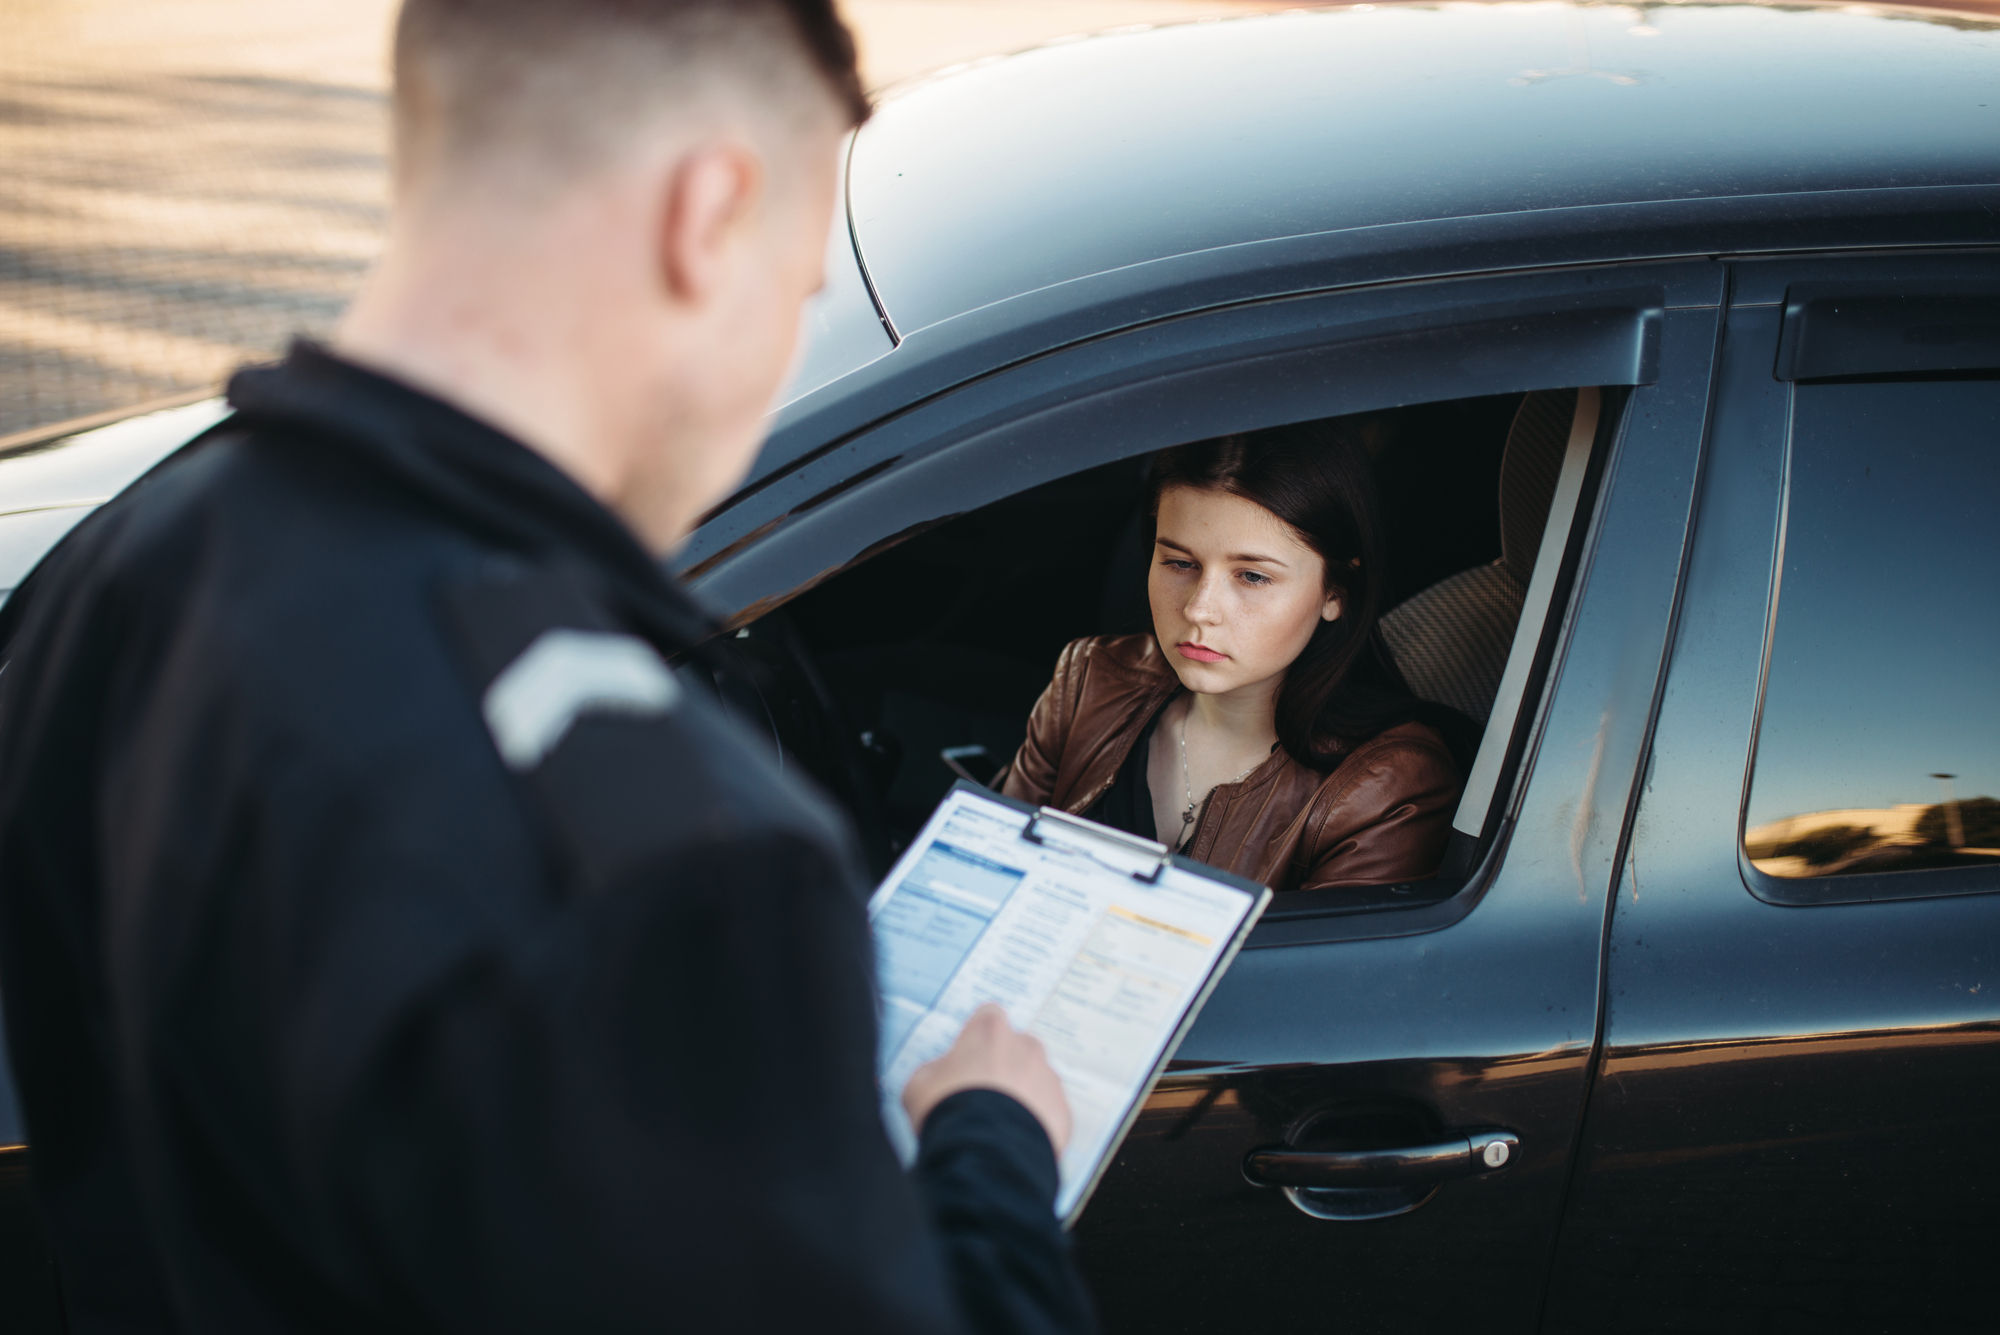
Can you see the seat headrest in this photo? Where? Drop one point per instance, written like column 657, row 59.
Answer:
column 1529, row 469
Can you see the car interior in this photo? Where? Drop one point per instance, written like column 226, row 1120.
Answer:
column 919, row 665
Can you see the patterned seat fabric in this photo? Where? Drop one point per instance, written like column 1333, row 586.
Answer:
column 1451, row 640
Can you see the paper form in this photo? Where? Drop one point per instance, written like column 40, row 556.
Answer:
column 1098, row 965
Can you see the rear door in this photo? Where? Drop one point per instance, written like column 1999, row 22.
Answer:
column 1802, row 1052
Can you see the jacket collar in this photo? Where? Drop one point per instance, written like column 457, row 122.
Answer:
column 478, row 477
column 1146, row 684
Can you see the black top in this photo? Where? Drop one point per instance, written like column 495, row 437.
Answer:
column 1128, row 803
column 390, row 942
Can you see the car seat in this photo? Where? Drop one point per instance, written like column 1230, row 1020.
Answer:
column 1451, row 641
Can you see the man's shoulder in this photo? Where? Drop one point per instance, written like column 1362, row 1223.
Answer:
column 631, row 760
column 365, row 633
column 240, row 512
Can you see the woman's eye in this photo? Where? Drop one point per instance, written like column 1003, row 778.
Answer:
column 1255, row 577
column 1173, row 564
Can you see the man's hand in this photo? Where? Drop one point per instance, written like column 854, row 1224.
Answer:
column 989, row 1053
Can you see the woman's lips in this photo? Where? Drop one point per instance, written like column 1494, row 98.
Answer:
column 1200, row 653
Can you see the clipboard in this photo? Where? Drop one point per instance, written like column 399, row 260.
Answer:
column 1103, row 944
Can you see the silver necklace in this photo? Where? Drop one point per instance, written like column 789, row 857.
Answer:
column 1187, row 784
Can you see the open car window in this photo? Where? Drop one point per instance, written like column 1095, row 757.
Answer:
column 914, row 580
column 931, row 653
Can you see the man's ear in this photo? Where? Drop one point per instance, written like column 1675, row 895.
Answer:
column 712, row 195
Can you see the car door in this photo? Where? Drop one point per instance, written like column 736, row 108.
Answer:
column 1382, row 1035
column 1802, row 1036
column 1362, row 1060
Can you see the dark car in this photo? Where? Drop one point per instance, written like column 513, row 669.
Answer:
column 1675, row 335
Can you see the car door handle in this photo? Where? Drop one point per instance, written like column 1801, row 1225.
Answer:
column 1464, row 1155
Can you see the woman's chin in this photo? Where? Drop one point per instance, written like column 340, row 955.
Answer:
column 1206, row 678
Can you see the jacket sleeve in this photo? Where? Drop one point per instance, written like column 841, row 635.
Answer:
column 988, row 1175
column 1384, row 816
column 1031, row 776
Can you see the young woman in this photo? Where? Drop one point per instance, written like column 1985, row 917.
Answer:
column 1262, row 728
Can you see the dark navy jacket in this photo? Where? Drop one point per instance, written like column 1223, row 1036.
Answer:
column 390, row 941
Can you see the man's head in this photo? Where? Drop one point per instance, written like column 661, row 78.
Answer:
column 608, row 214
column 547, row 89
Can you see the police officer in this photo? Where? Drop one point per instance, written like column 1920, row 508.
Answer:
column 389, row 941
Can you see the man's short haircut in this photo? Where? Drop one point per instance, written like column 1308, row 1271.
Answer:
column 564, row 82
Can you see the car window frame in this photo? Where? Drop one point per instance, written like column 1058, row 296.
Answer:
column 1794, row 368
column 1358, row 351
column 1328, row 333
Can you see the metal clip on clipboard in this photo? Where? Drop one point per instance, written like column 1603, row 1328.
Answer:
column 1141, row 859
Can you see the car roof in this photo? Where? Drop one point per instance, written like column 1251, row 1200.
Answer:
column 1093, row 155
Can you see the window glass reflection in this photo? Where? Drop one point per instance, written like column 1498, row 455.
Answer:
column 1879, row 746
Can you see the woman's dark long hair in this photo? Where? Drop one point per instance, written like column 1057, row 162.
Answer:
column 1344, row 687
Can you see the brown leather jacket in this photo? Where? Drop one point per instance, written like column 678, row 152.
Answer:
column 1381, row 816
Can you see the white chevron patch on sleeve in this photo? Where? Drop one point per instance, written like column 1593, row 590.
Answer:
column 564, row 674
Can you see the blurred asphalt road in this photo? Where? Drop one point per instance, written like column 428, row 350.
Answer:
column 187, row 183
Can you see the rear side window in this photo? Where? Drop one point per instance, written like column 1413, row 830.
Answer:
column 1878, row 748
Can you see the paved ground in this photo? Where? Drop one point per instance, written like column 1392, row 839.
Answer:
column 178, row 197
column 188, row 182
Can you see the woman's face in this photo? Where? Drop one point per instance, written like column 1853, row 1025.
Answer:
column 1236, row 595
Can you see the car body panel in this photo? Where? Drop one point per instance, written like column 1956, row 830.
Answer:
column 1747, row 128
column 1753, row 130
column 1787, row 1095
column 980, row 186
